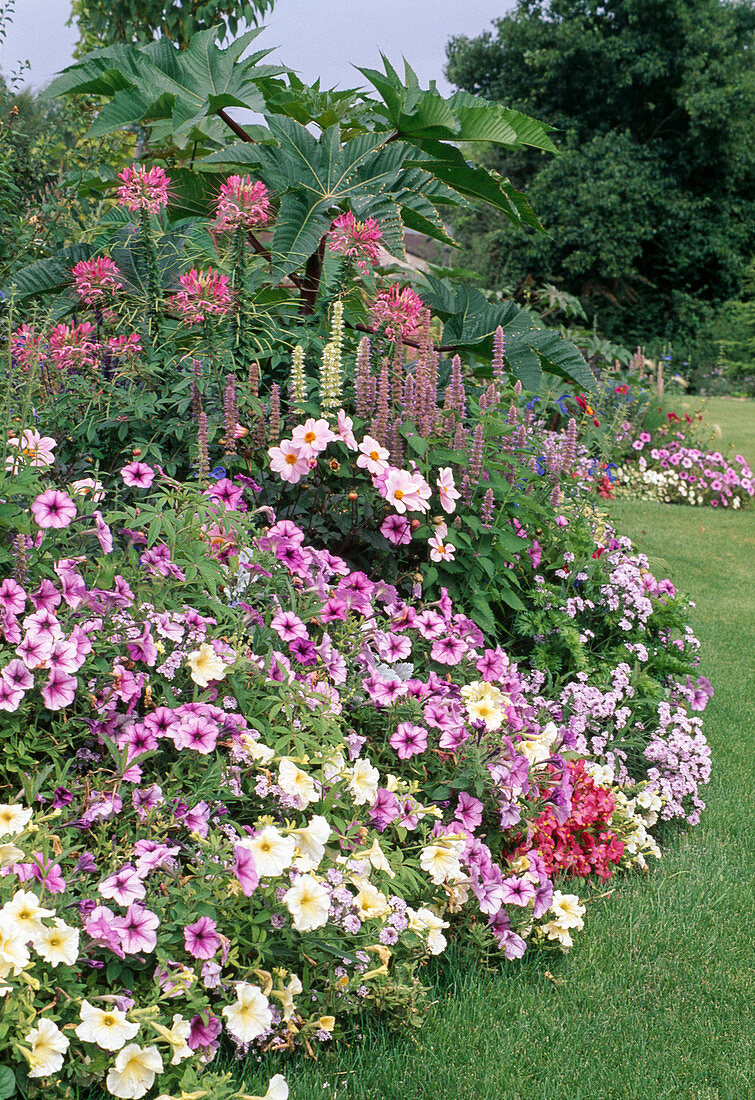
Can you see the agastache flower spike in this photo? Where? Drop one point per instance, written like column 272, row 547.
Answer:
column 230, row 414
column 297, row 386
column 275, row 414
column 363, row 393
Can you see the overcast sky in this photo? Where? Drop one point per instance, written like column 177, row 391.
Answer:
column 316, row 37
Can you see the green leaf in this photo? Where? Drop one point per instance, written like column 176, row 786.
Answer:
column 7, row 1083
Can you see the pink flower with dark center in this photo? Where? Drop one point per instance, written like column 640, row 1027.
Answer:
column 289, row 627
column 103, row 532
column 17, row 676
column 201, row 938
column 398, row 310
column 10, row 697
column 100, row 927
column 448, row 651
column 227, row 493
column 430, row 624
column 46, row 596
column 196, row 732
column 397, row 529
column 123, row 886
column 143, row 188
column 517, row 891
column 203, row 1033
column 469, row 811
column 12, row 596
column 203, row 294
column 138, row 475
column 245, row 870
column 44, row 871
column 137, row 929
column 93, row 279
column 53, row 508
column 358, row 241
column 242, row 203
column 408, row 740
column 59, row 691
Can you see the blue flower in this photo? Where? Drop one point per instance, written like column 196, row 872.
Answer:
column 563, row 406
column 531, row 404
column 219, row 473
column 540, row 466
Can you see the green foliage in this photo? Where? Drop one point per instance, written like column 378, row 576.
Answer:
column 650, row 207
column 142, row 20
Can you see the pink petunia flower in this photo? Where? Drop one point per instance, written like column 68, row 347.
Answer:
column 397, row 529
column 245, row 870
column 60, row 690
column 123, row 886
column 138, row 475
column 409, row 740
column 137, row 929
column 289, row 627
column 53, row 508
column 12, row 597
column 201, row 938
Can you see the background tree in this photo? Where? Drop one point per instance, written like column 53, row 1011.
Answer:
column 651, row 206
column 103, row 22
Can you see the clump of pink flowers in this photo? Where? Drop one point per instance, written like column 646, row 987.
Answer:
column 203, row 294
column 242, row 203
column 73, row 347
column 398, row 310
column 143, row 188
column 93, row 279
column 358, row 241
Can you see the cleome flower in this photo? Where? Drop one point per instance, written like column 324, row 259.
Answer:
column 203, row 294
column 358, row 241
column 143, row 188
column 94, row 279
column 243, row 203
column 398, row 310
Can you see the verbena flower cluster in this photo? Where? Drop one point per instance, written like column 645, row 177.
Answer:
column 679, row 474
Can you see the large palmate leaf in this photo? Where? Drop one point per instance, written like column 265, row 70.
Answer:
column 48, row 276
column 145, row 84
column 532, row 349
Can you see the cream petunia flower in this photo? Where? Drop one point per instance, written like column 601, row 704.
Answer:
column 370, row 901
column 556, row 931
column 277, row 1089
column 296, row 782
column 48, row 1047
column 59, row 944
column 14, row 954
column 134, row 1071
column 273, row 853
column 22, row 916
column 107, row 1027
column 377, row 858
column 567, row 910
column 308, row 902
column 206, row 665
column 424, row 921
column 310, row 843
column 441, row 861
column 10, row 854
column 250, row 1015
column 13, row 818
column 363, row 782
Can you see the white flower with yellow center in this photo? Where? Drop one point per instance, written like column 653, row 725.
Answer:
column 297, row 783
column 13, row 818
column 334, row 767
column 59, row 944
column 481, row 689
column 308, row 902
column 556, row 931
column 370, row 901
column 206, row 665
column 363, row 781
column 273, row 853
column 424, row 921
column 134, row 1071
column 14, row 954
column 257, row 750
column 485, row 710
column 10, row 854
column 22, row 916
column 277, row 1089
column 107, row 1027
column 377, row 858
column 310, row 843
column 250, row 1015
column 176, row 1036
column 441, row 860
column 567, row 910
column 48, row 1047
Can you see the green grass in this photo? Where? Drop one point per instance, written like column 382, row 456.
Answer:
column 731, row 419
column 654, row 1002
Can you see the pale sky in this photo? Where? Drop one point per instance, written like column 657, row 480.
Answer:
column 316, row 37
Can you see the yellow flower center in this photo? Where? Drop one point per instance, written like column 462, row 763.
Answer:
column 290, row 459
column 399, row 494
column 310, row 437
column 374, row 456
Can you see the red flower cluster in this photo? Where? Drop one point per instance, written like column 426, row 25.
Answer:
column 584, row 844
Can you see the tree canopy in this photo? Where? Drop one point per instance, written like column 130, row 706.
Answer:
column 650, row 209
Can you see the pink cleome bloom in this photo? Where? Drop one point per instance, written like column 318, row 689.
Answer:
column 93, row 279
column 73, row 346
column 25, row 346
column 358, row 241
column 203, row 294
column 398, row 310
column 53, row 508
column 242, row 204
column 125, row 345
column 143, row 188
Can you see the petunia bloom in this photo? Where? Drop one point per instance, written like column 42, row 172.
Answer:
column 53, row 508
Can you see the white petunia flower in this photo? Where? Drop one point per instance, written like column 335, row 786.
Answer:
column 310, row 843
column 273, row 853
column 48, row 1048
column 297, row 783
column 250, row 1015
column 107, row 1027
column 59, row 944
column 363, row 782
column 134, row 1071
column 308, row 902
column 13, row 818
